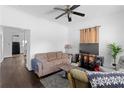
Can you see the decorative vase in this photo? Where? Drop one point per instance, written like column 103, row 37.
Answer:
column 114, row 64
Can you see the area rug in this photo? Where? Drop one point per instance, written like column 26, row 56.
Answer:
column 55, row 81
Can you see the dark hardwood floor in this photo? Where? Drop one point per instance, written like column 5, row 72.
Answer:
column 15, row 75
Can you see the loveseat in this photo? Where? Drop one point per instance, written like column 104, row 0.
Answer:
column 50, row 62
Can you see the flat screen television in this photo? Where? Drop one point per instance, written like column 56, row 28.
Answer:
column 89, row 48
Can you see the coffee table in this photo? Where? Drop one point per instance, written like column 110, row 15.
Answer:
column 67, row 67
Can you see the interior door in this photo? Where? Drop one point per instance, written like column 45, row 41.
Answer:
column 15, row 48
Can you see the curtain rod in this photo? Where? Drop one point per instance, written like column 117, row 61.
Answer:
column 90, row 27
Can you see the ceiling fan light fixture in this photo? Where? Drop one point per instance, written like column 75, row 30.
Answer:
column 69, row 10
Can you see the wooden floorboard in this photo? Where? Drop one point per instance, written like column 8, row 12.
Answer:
column 15, row 75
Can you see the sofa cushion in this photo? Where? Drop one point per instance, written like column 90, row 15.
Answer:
column 51, row 56
column 64, row 55
column 59, row 55
column 41, row 56
column 55, row 63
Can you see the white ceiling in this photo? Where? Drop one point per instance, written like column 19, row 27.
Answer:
column 91, row 11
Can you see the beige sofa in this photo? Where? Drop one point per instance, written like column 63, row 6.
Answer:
column 50, row 62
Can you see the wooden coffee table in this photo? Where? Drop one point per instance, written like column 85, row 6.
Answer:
column 66, row 68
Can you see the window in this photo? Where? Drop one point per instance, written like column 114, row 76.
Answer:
column 89, row 35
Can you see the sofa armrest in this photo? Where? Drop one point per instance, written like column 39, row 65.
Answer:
column 41, row 62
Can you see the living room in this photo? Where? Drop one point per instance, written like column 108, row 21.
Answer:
column 50, row 35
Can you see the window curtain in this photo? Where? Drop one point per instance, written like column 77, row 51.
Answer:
column 89, row 35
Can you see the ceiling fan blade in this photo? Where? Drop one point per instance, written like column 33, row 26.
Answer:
column 74, row 7
column 60, row 15
column 69, row 18
column 77, row 13
column 60, row 9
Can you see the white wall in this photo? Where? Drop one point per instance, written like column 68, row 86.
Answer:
column 1, row 14
column 0, row 35
column 1, row 45
column 46, row 36
column 111, row 30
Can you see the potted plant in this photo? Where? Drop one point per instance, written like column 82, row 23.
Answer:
column 115, row 50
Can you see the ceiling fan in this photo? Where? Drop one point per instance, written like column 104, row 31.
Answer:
column 69, row 10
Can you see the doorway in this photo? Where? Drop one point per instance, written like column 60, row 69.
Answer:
column 15, row 48
column 16, row 42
